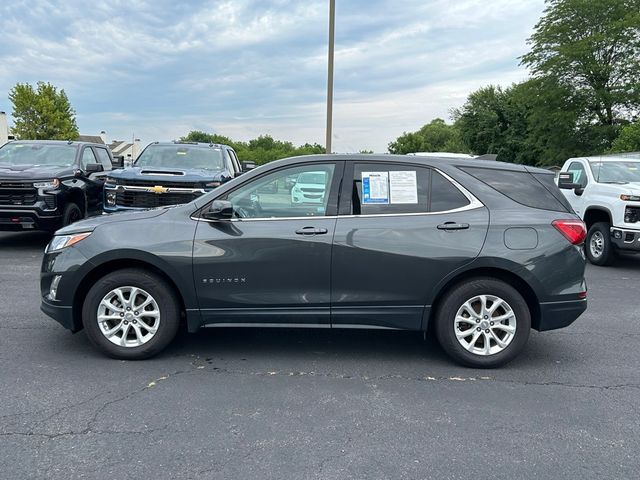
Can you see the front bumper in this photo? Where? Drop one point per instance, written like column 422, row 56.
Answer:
column 554, row 315
column 60, row 313
column 14, row 220
column 625, row 239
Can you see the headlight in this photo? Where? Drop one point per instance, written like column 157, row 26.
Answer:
column 110, row 182
column 54, row 183
column 63, row 241
column 111, row 198
column 212, row 184
column 630, row 198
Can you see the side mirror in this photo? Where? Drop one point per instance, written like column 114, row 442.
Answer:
column 94, row 168
column 219, row 210
column 247, row 166
column 565, row 181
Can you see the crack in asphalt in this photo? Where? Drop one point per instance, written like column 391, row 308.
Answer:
column 426, row 378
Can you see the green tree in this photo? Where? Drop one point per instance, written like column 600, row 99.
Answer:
column 629, row 139
column 593, row 48
column 535, row 122
column 42, row 113
column 435, row 136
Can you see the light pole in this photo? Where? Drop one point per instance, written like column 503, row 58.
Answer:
column 332, row 22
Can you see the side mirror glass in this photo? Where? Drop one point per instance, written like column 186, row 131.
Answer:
column 219, row 210
column 565, row 181
column 247, row 166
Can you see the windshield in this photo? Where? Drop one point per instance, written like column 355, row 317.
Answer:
column 616, row 172
column 181, row 156
column 317, row 178
column 38, row 154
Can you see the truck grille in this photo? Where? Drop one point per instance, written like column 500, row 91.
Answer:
column 151, row 200
column 16, row 194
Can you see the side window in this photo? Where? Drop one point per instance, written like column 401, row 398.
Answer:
column 579, row 174
column 104, row 158
column 445, row 195
column 87, row 157
column 380, row 188
column 269, row 196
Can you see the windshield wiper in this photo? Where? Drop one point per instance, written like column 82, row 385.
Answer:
column 617, row 182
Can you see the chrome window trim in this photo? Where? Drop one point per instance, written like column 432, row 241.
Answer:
column 474, row 203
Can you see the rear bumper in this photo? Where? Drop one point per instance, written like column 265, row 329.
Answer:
column 554, row 315
column 625, row 239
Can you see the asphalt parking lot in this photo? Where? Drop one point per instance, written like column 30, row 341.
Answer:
column 260, row 403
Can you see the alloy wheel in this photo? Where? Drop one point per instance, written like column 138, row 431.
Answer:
column 128, row 316
column 596, row 244
column 485, row 325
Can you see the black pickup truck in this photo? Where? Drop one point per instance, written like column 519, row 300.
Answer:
column 170, row 173
column 45, row 185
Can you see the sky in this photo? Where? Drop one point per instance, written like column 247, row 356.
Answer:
column 158, row 69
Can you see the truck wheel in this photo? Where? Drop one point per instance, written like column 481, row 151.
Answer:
column 131, row 314
column 483, row 323
column 71, row 214
column 598, row 247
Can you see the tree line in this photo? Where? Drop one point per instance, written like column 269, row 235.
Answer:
column 582, row 98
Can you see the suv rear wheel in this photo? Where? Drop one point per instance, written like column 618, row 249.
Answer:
column 483, row 323
column 598, row 246
column 131, row 314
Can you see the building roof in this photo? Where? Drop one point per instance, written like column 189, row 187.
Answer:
column 118, row 148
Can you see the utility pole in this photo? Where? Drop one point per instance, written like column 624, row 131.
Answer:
column 332, row 22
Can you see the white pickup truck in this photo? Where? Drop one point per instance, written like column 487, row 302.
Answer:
column 605, row 192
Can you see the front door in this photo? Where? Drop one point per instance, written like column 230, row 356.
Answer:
column 271, row 263
column 406, row 228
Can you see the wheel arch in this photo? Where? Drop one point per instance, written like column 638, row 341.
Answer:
column 112, row 265
column 597, row 214
column 507, row 276
column 77, row 196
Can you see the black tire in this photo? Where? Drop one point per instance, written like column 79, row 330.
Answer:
column 454, row 299
column 72, row 213
column 600, row 231
column 160, row 291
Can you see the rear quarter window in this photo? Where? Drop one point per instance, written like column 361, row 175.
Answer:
column 522, row 187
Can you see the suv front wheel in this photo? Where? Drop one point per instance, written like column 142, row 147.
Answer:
column 483, row 323
column 131, row 314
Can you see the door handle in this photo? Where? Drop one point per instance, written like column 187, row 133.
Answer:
column 453, row 226
column 311, row 231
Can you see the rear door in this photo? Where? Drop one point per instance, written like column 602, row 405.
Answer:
column 402, row 228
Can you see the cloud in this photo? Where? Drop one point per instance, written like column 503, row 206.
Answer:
column 158, row 69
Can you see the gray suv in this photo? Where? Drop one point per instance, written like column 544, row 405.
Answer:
column 478, row 252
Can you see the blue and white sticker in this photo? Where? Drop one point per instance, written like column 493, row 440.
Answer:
column 375, row 188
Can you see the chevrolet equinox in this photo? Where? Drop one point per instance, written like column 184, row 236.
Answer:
column 478, row 252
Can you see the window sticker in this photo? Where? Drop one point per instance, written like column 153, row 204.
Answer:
column 375, row 188
column 403, row 187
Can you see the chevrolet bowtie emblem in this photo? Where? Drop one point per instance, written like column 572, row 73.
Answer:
column 158, row 189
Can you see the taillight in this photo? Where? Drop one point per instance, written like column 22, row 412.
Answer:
column 573, row 230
